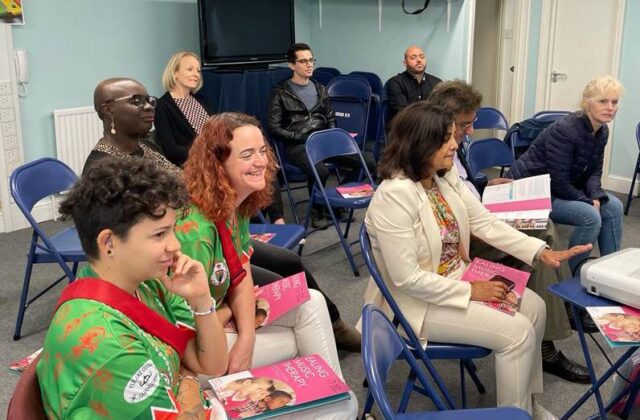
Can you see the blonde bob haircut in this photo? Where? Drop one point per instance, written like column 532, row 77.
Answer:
column 168, row 81
column 600, row 87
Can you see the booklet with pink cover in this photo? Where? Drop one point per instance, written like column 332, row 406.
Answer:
column 270, row 391
column 21, row 365
column 263, row 237
column 516, row 280
column 524, row 203
column 620, row 325
column 276, row 299
column 357, row 191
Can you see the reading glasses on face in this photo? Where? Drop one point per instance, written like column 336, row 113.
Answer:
column 306, row 61
column 463, row 125
column 136, row 100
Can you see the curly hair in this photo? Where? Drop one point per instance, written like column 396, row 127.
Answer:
column 417, row 132
column 116, row 194
column 205, row 177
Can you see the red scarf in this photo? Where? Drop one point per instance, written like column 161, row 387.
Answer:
column 111, row 295
column 236, row 272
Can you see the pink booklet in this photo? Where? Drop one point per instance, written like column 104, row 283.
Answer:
column 263, row 237
column 276, row 299
column 357, row 191
column 620, row 325
column 270, row 391
column 21, row 365
column 516, row 280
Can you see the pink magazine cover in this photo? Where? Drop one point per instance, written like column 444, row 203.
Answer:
column 21, row 365
column 276, row 299
column 263, row 237
column 283, row 387
column 358, row 191
column 480, row 269
column 619, row 324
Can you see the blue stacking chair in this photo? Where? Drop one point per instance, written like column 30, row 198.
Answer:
column 290, row 174
column 488, row 118
column 375, row 112
column 323, row 145
column 29, row 184
column 487, row 153
column 636, row 172
column 286, row 236
column 550, row 115
column 462, row 352
column 381, row 347
column 351, row 100
column 323, row 75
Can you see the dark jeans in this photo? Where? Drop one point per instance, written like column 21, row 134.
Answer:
column 270, row 263
column 297, row 155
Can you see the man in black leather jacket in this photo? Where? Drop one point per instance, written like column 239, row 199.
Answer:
column 300, row 106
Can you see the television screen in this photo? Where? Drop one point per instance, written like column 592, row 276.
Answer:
column 245, row 31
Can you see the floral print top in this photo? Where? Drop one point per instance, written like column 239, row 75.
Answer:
column 450, row 258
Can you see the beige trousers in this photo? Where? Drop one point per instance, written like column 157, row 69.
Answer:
column 515, row 341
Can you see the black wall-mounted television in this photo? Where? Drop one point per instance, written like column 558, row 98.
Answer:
column 245, row 32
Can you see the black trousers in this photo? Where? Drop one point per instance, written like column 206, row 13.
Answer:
column 297, row 155
column 270, row 263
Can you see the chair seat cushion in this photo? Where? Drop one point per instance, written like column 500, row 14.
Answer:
column 507, row 413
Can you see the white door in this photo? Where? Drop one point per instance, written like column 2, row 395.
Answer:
column 579, row 40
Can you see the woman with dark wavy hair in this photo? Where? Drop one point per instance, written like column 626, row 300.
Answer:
column 228, row 175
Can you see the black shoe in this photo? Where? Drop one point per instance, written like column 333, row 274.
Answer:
column 588, row 325
column 566, row 369
column 318, row 219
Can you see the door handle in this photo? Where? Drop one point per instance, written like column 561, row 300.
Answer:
column 556, row 76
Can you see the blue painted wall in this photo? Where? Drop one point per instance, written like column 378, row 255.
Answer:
column 625, row 148
column 74, row 44
column 349, row 38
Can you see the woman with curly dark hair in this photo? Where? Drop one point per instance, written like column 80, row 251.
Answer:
column 129, row 334
column 228, row 175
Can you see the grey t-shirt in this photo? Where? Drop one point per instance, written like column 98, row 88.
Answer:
column 308, row 93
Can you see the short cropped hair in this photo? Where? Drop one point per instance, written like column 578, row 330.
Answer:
column 417, row 132
column 168, row 82
column 598, row 88
column 299, row 46
column 456, row 95
column 116, row 194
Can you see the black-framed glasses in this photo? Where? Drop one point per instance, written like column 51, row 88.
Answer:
column 463, row 125
column 136, row 100
column 305, row 61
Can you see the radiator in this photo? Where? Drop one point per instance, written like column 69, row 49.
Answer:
column 77, row 131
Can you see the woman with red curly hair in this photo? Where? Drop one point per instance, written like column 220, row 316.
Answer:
column 228, row 176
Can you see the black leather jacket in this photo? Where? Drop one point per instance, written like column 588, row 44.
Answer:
column 289, row 119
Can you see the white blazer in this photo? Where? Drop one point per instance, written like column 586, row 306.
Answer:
column 406, row 244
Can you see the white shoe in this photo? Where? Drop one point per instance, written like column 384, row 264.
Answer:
column 541, row 413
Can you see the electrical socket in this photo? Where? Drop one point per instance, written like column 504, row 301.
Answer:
column 10, row 143
column 6, row 115
column 11, row 156
column 6, row 101
column 5, row 87
column 8, row 128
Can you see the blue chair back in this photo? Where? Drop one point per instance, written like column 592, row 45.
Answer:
column 490, row 119
column 351, row 102
column 636, row 172
column 374, row 81
column 325, row 144
column 381, row 347
column 39, row 179
column 550, row 115
column 487, row 153
column 324, row 75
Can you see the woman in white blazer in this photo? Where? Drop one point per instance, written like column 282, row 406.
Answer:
column 420, row 221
